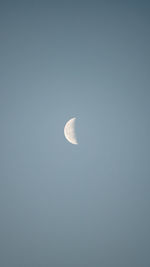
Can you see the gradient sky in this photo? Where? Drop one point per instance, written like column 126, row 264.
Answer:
column 63, row 205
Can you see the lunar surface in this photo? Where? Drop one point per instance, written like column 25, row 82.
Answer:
column 69, row 131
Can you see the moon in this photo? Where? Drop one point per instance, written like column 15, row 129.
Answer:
column 69, row 131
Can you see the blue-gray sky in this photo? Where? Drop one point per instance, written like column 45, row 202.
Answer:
column 64, row 205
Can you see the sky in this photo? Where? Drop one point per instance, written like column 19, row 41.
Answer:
column 61, row 204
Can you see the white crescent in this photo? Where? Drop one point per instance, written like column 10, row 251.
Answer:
column 69, row 131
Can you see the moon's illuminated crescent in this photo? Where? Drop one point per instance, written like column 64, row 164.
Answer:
column 69, row 131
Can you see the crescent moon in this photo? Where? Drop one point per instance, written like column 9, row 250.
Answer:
column 69, row 131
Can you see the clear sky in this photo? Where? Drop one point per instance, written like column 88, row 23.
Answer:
column 63, row 205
